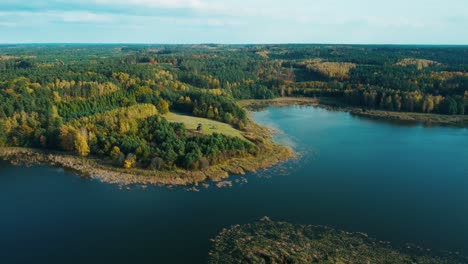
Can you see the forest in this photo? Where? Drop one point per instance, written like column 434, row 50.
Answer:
column 109, row 101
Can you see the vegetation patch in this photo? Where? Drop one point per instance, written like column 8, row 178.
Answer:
column 267, row 241
column 208, row 126
column 334, row 70
column 419, row 63
column 104, row 171
column 426, row 119
column 282, row 101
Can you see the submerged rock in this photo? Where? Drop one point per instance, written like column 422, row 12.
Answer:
column 224, row 184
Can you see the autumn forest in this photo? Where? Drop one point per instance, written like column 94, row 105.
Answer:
column 110, row 101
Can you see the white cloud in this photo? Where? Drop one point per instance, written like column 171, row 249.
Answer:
column 50, row 16
column 195, row 5
column 8, row 24
column 155, row 3
column 212, row 22
column 270, row 21
column 393, row 22
column 27, row 18
column 83, row 17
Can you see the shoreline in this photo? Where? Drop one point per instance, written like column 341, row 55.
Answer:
column 256, row 104
column 271, row 155
column 95, row 168
column 383, row 115
column 415, row 118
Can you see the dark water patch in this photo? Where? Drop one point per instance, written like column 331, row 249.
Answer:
column 396, row 183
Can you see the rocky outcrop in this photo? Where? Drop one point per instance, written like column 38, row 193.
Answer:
column 267, row 241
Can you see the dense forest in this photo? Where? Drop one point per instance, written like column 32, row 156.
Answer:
column 110, row 100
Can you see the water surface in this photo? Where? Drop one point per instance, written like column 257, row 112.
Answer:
column 397, row 183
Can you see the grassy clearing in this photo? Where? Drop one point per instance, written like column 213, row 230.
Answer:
column 209, row 126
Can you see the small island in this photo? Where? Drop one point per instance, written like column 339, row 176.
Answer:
column 159, row 114
column 267, row 241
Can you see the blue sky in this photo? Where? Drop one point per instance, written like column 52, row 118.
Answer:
column 234, row 21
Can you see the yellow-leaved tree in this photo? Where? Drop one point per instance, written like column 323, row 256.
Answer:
column 163, row 106
column 66, row 137
column 80, row 144
column 129, row 161
column 72, row 140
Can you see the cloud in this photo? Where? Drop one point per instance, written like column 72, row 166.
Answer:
column 27, row 17
column 241, row 20
column 84, row 17
column 156, row 3
column 8, row 24
column 211, row 22
column 399, row 22
column 145, row 5
column 109, row 20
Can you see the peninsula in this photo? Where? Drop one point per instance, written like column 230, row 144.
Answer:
column 176, row 114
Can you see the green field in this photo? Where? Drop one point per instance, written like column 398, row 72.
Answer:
column 209, row 126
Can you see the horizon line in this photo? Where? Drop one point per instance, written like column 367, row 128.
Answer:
column 227, row 44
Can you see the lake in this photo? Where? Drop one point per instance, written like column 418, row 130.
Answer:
column 401, row 183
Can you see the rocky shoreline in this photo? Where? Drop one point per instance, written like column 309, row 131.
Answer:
column 96, row 169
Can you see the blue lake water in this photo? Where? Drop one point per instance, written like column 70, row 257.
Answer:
column 395, row 182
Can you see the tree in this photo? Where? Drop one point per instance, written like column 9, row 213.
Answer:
column 156, row 163
column 370, row 98
column 428, row 104
column 80, row 144
column 71, row 139
column 397, row 102
column 67, row 138
column 2, row 134
column 163, row 106
column 43, row 141
column 119, row 159
column 115, row 152
column 210, row 114
column 389, row 103
column 190, row 160
column 465, row 102
column 449, row 106
column 129, row 161
column 461, row 105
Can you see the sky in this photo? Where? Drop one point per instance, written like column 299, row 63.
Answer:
column 234, row 21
